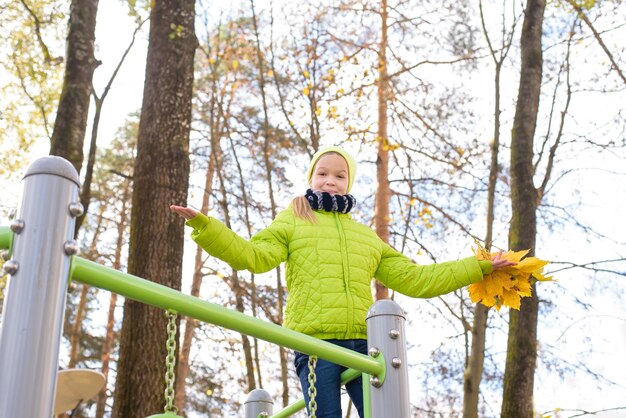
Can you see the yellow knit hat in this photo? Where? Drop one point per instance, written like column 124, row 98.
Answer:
column 349, row 160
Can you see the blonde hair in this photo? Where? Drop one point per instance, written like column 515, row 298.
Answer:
column 302, row 209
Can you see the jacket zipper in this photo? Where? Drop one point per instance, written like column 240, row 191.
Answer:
column 345, row 267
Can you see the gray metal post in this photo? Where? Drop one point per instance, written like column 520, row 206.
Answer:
column 32, row 317
column 386, row 336
column 258, row 404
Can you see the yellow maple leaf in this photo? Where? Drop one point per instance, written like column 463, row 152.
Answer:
column 503, row 279
column 493, row 285
column 481, row 253
column 477, row 291
column 511, row 299
column 490, row 301
column 523, row 288
column 506, row 286
column 539, row 276
column 531, row 264
column 513, row 255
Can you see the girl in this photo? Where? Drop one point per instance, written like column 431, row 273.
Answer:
column 330, row 261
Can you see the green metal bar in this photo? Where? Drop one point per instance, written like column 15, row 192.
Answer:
column 289, row 410
column 367, row 409
column 154, row 294
column 347, row 376
column 6, row 236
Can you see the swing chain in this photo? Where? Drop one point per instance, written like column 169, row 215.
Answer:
column 312, row 389
column 170, row 362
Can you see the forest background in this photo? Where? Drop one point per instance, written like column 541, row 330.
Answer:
column 424, row 94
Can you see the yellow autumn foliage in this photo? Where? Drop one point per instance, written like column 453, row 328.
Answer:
column 507, row 286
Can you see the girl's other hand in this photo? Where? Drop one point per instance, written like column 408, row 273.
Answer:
column 498, row 262
column 186, row 213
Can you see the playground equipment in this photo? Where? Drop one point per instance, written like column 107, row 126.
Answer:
column 75, row 386
column 170, row 362
column 42, row 259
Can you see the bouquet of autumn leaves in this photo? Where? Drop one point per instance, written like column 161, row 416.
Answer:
column 508, row 285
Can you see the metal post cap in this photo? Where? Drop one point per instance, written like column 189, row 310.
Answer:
column 385, row 307
column 259, row 395
column 53, row 165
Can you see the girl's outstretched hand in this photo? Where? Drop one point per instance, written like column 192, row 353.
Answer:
column 499, row 262
column 186, row 213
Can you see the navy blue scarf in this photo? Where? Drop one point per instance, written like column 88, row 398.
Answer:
column 342, row 203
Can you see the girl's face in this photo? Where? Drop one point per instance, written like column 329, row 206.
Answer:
column 330, row 174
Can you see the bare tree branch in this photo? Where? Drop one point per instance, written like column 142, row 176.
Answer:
column 541, row 190
column 585, row 19
column 591, row 265
column 583, row 412
column 584, row 319
column 444, row 213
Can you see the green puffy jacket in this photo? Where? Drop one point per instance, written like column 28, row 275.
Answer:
column 329, row 268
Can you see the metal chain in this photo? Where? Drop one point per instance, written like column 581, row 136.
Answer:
column 170, row 362
column 312, row 389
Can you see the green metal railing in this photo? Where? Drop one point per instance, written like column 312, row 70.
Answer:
column 6, row 236
column 163, row 297
column 154, row 294
column 347, row 376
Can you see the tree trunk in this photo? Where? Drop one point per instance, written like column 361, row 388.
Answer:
column 245, row 341
column 268, row 170
column 255, row 364
column 70, row 124
column 474, row 367
column 76, row 332
column 475, row 363
column 383, row 192
column 109, row 338
column 190, row 323
column 234, row 283
column 161, row 177
column 77, row 326
column 522, row 343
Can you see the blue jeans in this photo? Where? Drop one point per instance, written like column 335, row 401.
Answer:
column 328, row 381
